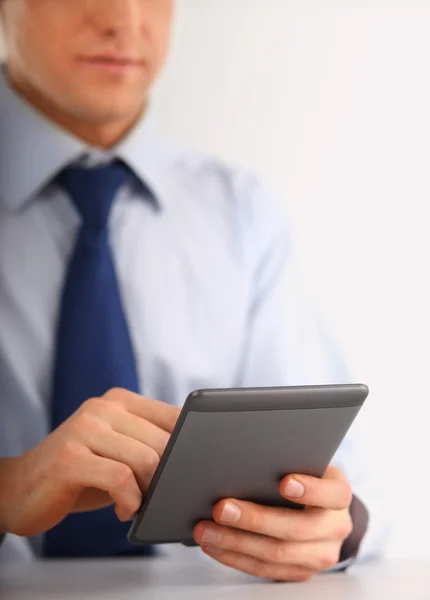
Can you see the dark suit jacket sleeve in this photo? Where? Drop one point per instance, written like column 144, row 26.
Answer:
column 360, row 520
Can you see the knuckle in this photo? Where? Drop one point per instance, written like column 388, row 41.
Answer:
column 165, row 441
column 68, row 451
column 231, row 542
column 116, row 394
column 66, row 458
column 161, row 443
column 100, row 408
column 89, row 422
column 300, row 530
column 123, row 476
column 151, row 461
column 95, row 406
column 327, row 559
column 255, row 519
column 278, row 553
column 346, row 496
column 345, row 528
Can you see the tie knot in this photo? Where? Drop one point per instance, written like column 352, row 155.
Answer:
column 93, row 190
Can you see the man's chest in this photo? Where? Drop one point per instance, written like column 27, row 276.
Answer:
column 185, row 297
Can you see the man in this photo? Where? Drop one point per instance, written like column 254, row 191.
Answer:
column 126, row 264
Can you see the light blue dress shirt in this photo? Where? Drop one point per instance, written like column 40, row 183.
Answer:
column 206, row 271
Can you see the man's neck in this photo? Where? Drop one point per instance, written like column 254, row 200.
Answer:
column 98, row 135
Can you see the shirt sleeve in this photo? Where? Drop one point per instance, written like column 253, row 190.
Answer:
column 288, row 343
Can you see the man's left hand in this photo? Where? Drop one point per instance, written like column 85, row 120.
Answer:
column 280, row 543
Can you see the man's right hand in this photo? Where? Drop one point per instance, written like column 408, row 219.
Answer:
column 106, row 453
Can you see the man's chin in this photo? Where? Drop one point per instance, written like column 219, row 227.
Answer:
column 105, row 113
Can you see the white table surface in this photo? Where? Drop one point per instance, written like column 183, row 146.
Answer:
column 188, row 577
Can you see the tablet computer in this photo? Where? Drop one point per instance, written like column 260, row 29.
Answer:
column 239, row 443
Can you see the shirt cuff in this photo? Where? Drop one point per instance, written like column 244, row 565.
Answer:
column 360, row 521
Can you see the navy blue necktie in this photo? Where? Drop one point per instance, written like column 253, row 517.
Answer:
column 93, row 348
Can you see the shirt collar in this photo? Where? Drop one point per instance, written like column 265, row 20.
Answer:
column 149, row 157
column 33, row 150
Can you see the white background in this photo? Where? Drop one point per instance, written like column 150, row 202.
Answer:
column 330, row 102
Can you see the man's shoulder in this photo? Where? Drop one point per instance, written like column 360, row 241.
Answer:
column 206, row 169
column 233, row 195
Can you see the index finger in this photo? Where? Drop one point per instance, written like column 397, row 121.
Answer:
column 332, row 491
column 159, row 413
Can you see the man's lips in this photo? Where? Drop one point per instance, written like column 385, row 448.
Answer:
column 114, row 64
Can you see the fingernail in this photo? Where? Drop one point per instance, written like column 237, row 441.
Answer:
column 294, row 489
column 211, row 536
column 231, row 513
